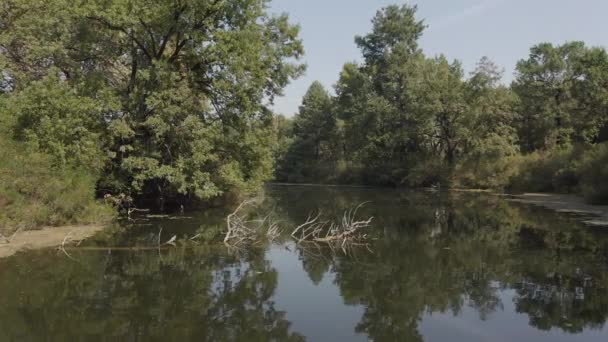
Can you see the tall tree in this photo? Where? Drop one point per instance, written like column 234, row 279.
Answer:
column 441, row 98
column 315, row 148
column 562, row 91
column 192, row 79
column 590, row 89
column 492, row 109
column 315, row 123
column 375, row 98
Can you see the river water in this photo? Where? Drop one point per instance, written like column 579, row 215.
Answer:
column 439, row 267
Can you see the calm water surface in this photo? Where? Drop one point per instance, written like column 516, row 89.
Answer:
column 440, row 268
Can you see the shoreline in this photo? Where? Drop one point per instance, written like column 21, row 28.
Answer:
column 47, row 237
column 592, row 215
column 589, row 214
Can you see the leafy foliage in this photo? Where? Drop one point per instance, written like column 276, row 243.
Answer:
column 593, row 172
column 50, row 118
column 168, row 99
column 33, row 193
column 405, row 119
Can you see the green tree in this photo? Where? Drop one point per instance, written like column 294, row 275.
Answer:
column 492, row 137
column 374, row 99
column 563, row 94
column 395, row 33
column 49, row 117
column 590, row 89
column 315, row 123
column 441, row 98
column 491, row 104
column 353, row 93
column 192, row 80
column 316, row 146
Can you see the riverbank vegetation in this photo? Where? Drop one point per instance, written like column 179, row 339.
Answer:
column 401, row 118
column 170, row 104
column 33, row 193
column 167, row 102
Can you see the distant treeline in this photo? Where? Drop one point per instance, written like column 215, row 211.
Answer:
column 401, row 118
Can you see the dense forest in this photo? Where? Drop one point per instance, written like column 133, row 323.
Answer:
column 401, row 118
column 170, row 103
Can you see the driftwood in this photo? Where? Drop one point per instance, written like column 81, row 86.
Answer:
column 349, row 231
column 241, row 231
column 133, row 210
column 348, row 235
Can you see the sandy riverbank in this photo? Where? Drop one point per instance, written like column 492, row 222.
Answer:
column 591, row 215
column 46, row 237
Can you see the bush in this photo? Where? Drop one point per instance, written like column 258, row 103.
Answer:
column 550, row 171
column 487, row 173
column 49, row 117
column 33, row 194
column 491, row 164
column 427, row 172
column 593, row 173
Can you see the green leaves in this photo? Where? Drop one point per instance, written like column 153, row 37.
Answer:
column 50, row 118
column 168, row 98
column 395, row 31
column 316, row 145
column 563, row 94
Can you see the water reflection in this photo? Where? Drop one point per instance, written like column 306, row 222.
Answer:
column 436, row 261
column 441, row 254
column 179, row 295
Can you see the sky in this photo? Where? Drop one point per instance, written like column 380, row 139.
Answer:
column 467, row 30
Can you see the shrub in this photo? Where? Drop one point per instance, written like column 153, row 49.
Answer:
column 33, row 194
column 550, row 171
column 491, row 164
column 487, row 173
column 427, row 172
column 47, row 116
column 593, row 173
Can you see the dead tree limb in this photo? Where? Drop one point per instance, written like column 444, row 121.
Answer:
column 348, row 230
column 241, row 231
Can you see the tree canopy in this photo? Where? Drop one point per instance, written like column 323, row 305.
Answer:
column 176, row 93
column 402, row 118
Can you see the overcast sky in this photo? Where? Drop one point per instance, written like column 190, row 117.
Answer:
column 466, row 30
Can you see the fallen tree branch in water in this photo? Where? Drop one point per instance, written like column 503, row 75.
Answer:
column 118, row 248
column 241, row 231
column 349, row 230
column 134, row 210
column 66, row 238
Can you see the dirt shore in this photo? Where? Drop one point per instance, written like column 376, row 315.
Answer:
column 591, row 215
column 46, row 237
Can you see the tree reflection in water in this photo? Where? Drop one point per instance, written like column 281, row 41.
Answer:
column 440, row 253
column 179, row 295
column 430, row 254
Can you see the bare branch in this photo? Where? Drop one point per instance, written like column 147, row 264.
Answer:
column 349, row 230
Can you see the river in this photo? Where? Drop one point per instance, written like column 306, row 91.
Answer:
column 438, row 267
